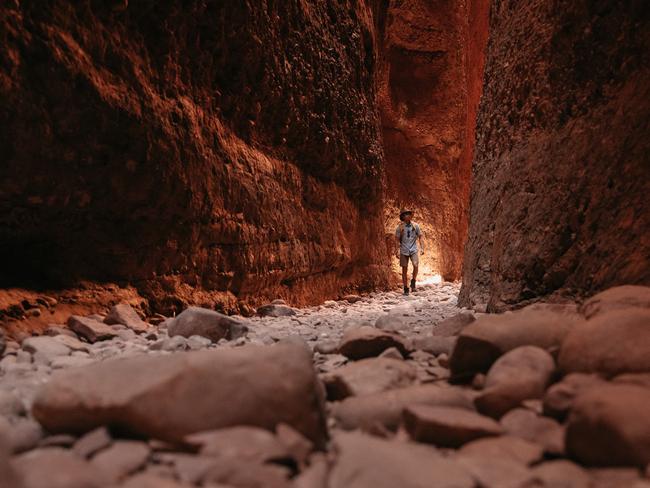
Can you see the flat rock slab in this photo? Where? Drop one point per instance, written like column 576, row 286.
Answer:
column 368, row 462
column 121, row 458
column 482, row 342
column 609, row 425
column 46, row 345
column 609, row 344
column 90, row 329
column 251, row 444
column 505, row 447
column 385, row 409
column 57, row 468
column 206, row 323
column 169, row 397
column 368, row 376
column 275, row 310
column 447, row 426
column 125, row 314
column 365, row 341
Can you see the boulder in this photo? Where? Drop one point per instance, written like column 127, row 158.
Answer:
column 452, row 326
column 121, row 459
column 250, row 444
column 520, row 374
column 275, row 310
column 8, row 476
column 206, row 323
column 390, row 322
column 367, row 376
column 496, row 472
column 228, row 472
column 57, row 468
column 71, row 342
column 527, row 425
column 385, row 409
column 435, row 344
column 482, row 342
column 90, row 329
column 169, row 397
column 91, row 442
column 559, row 398
column 611, row 343
column 125, row 314
column 504, row 447
column 616, row 298
column 45, row 345
column 364, row 461
column 364, row 342
column 561, row 473
column 447, row 426
column 609, row 425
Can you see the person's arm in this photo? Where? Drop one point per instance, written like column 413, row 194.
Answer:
column 421, row 242
column 398, row 235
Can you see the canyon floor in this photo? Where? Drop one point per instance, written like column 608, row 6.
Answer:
column 360, row 392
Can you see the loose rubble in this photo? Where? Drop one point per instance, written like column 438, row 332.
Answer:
column 322, row 398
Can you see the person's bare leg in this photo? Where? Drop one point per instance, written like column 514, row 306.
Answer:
column 415, row 273
column 405, row 271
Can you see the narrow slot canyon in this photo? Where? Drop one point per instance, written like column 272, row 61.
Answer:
column 203, row 210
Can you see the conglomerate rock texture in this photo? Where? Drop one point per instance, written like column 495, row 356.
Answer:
column 559, row 202
column 200, row 151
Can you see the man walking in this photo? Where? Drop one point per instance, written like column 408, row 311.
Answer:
column 408, row 233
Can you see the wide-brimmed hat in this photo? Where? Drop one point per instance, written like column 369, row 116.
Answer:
column 403, row 212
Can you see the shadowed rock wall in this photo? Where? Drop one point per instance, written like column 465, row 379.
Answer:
column 559, row 202
column 203, row 151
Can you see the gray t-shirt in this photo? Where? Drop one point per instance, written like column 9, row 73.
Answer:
column 409, row 242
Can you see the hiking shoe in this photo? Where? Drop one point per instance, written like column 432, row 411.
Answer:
column 412, row 285
column 406, row 290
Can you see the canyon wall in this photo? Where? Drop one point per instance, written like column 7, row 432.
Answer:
column 559, row 201
column 207, row 152
column 429, row 85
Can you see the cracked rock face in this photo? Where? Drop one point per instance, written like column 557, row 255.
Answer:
column 200, row 151
column 559, row 183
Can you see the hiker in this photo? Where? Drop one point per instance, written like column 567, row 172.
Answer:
column 408, row 233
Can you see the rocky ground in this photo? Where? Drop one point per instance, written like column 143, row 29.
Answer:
column 370, row 391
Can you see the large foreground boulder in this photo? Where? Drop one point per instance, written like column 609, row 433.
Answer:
column 169, row 397
column 485, row 340
column 617, row 298
column 609, row 344
column 518, row 375
column 206, row 323
column 610, row 425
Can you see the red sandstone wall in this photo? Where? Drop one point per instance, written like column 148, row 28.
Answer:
column 430, row 77
column 204, row 152
column 559, row 202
